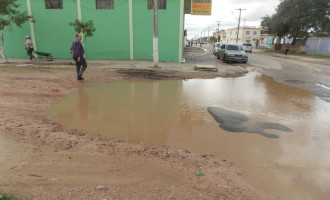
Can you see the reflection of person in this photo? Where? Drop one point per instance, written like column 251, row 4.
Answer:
column 83, row 106
column 78, row 52
column 29, row 47
column 286, row 47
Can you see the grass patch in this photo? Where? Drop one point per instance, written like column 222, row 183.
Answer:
column 283, row 51
column 319, row 56
column 4, row 196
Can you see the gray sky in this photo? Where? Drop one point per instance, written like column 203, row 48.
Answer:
column 224, row 10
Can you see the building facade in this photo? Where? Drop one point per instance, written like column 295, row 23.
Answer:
column 220, row 34
column 246, row 35
column 124, row 28
column 266, row 41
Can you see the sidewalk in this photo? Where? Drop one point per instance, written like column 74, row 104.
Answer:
column 304, row 58
column 197, row 56
column 101, row 63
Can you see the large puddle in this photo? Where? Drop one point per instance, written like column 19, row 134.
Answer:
column 279, row 135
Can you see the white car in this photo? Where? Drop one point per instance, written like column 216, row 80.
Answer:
column 216, row 47
column 247, row 47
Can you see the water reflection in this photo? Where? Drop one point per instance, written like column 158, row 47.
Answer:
column 295, row 166
column 239, row 122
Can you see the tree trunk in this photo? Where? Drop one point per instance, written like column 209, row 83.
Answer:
column 294, row 41
column 2, row 47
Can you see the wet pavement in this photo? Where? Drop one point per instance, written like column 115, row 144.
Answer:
column 303, row 72
column 289, row 156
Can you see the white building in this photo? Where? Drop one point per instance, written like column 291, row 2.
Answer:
column 246, row 35
column 222, row 34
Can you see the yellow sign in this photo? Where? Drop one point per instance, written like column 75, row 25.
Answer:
column 201, row 7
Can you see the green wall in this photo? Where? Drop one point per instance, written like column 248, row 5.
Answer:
column 111, row 38
column 168, row 31
column 52, row 31
column 15, row 40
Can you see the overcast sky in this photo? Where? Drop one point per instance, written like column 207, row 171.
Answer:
column 224, row 10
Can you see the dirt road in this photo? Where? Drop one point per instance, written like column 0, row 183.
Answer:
column 40, row 159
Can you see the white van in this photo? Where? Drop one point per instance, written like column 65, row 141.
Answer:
column 247, row 47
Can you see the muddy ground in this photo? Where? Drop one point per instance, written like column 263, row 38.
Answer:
column 41, row 159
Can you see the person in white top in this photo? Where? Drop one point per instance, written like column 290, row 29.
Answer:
column 29, row 47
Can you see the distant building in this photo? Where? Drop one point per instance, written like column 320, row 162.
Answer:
column 221, row 34
column 246, row 35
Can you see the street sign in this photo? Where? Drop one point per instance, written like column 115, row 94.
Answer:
column 201, row 7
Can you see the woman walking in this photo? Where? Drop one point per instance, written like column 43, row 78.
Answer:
column 29, row 47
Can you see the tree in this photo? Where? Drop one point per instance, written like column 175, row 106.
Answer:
column 9, row 16
column 86, row 28
column 212, row 39
column 299, row 19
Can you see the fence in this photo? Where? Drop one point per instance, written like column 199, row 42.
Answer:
column 318, row 46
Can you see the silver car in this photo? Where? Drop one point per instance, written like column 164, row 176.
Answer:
column 232, row 53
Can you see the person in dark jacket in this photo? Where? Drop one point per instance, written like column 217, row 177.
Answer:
column 78, row 53
column 286, row 47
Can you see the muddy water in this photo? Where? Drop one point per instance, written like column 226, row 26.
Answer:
column 293, row 165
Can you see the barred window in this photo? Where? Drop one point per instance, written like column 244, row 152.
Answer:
column 54, row 4
column 247, row 32
column 104, row 4
column 254, row 32
column 161, row 4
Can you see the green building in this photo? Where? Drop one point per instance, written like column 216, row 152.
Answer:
column 123, row 28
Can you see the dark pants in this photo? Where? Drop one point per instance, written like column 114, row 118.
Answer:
column 29, row 52
column 80, row 66
column 286, row 51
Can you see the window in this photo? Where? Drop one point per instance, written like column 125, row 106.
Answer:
column 233, row 47
column 254, row 32
column 247, row 32
column 161, row 4
column 104, row 4
column 54, row 4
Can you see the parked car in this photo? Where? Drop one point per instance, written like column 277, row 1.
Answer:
column 232, row 53
column 216, row 47
column 247, row 47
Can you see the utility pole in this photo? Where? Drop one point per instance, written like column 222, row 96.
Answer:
column 204, row 36
column 239, row 21
column 155, row 35
column 218, row 30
